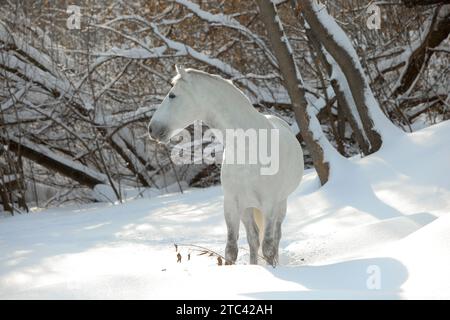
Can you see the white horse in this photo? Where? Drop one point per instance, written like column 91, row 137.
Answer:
column 259, row 201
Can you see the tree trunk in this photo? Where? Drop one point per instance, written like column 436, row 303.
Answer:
column 438, row 31
column 413, row 3
column 5, row 199
column 292, row 82
column 344, row 101
column 336, row 42
column 46, row 158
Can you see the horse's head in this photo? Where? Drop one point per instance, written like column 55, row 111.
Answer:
column 180, row 108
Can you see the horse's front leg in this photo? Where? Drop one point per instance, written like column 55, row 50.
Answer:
column 232, row 219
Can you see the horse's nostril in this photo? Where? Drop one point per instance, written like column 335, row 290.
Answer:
column 156, row 131
column 151, row 132
column 153, row 128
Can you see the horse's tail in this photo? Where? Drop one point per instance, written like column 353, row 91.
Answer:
column 259, row 220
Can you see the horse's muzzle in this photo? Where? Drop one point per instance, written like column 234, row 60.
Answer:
column 157, row 131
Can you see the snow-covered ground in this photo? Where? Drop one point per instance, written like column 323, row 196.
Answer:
column 379, row 229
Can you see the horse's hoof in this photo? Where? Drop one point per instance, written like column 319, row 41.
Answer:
column 271, row 260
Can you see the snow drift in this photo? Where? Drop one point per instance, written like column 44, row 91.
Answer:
column 378, row 229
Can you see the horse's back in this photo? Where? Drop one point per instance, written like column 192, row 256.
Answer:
column 286, row 133
column 278, row 122
column 291, row 150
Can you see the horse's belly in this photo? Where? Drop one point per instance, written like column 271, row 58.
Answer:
column 255, row 189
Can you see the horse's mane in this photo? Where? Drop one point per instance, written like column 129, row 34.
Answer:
column 199, row 73
column 192, row 74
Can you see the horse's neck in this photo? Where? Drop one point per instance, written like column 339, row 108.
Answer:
column 234, row 111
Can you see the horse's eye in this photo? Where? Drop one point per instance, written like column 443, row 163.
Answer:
column 171, row 96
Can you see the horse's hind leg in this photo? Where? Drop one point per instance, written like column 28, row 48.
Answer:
column 232, row 219
column 268, row 242
column 252, row 231
column 272, row 232
column 279, row 217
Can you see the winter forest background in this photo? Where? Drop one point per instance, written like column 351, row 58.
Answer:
column 76, row 99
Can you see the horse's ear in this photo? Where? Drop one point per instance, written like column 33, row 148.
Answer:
column 180, row 70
